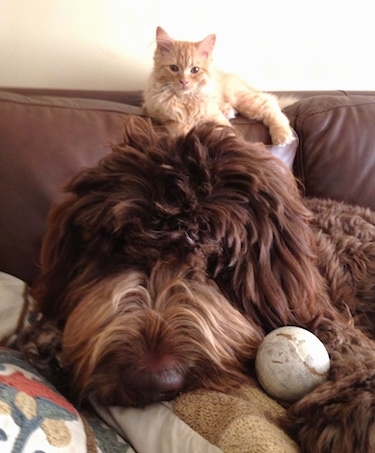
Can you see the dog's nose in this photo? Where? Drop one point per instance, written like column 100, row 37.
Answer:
column 161, row 385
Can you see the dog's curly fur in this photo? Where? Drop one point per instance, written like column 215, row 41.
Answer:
column 167, row 263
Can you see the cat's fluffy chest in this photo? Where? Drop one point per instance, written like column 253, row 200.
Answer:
column 188, row 106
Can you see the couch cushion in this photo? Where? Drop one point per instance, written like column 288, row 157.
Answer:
column 336, row 154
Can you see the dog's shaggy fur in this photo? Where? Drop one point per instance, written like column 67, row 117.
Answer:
column 166, row 265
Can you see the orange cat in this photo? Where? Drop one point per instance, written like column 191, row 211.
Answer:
column 185, row 89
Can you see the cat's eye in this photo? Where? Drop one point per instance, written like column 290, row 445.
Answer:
column 173, row 68
column 194, row 69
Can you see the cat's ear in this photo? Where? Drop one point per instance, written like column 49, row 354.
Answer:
column 164, row 42
column 206, row 46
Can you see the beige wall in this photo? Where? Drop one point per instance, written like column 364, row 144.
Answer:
column 108, row 44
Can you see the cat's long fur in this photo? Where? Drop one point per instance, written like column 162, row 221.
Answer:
column 186, row 89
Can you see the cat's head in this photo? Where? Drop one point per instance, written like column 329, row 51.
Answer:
column 182, row 66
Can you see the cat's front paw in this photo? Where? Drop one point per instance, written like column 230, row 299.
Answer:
column 281, row 135
column 229, row 111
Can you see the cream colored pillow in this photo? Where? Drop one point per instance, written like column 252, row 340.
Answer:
column 12, row 298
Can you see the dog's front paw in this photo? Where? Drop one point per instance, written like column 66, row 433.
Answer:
column 335, row 418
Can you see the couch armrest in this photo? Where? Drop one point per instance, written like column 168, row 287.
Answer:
column 336, row 153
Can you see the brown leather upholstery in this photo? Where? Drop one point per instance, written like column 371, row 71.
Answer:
column 46, row 140
column 42, row 143
column 336, row 154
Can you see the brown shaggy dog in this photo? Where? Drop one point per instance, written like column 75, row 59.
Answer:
column 166, row 264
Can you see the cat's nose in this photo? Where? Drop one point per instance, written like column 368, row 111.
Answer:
column 184, row 82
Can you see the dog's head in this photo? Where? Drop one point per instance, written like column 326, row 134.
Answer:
column 168, row 261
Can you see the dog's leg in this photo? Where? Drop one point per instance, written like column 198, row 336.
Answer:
column 339, row 416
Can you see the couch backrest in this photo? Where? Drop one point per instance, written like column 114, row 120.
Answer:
column 43, row 142
column 46, row 140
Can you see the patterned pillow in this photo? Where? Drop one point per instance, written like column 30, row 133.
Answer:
column 34, row 417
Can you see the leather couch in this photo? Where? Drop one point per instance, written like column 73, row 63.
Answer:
column 46, row 136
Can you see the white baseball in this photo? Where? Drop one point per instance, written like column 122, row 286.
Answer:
column 291, row 362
